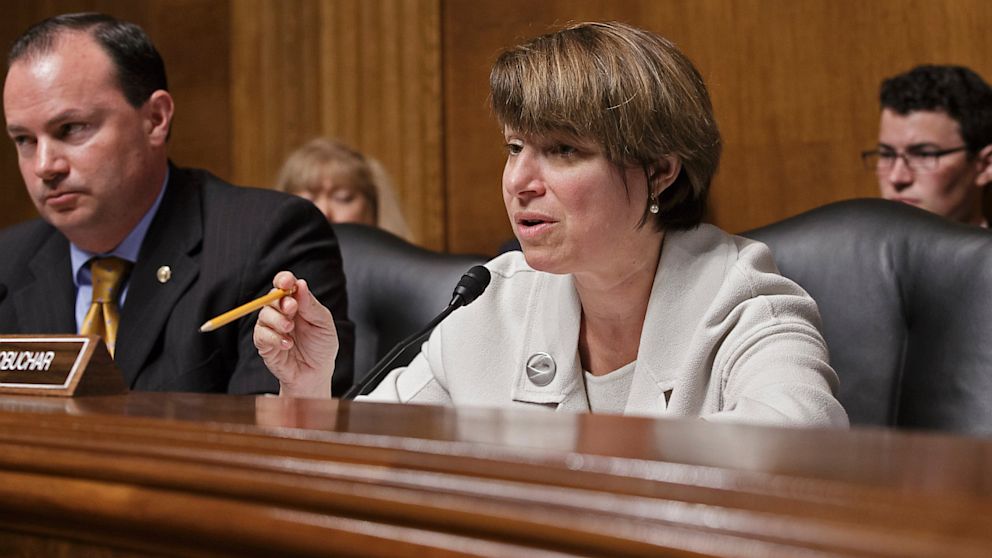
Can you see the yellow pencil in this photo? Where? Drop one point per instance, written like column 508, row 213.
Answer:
column 244, row 310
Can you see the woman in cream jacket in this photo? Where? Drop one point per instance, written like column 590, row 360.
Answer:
column 621, row 301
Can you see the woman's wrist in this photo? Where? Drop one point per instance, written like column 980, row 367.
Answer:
column 318, row 388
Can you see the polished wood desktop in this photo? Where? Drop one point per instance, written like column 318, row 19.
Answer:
column 150, row 474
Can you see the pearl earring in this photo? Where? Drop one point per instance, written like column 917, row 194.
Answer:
column 653, row 204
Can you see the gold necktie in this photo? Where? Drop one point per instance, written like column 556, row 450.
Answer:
column 103, row 316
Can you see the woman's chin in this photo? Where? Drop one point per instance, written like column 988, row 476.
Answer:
column 544, row 259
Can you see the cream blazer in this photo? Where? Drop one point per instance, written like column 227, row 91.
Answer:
column 725, row 338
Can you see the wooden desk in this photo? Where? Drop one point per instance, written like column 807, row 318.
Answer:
column 200, row 475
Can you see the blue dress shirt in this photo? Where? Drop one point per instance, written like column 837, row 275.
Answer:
column 127, row 250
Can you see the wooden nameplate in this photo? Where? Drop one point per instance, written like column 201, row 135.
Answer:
column 57, row 365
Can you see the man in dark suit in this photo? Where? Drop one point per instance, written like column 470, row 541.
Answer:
column 87, row 107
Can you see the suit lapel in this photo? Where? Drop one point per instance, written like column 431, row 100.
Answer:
column 172, row 240
column 690, row 275
column 47, row 303
column 552, row 322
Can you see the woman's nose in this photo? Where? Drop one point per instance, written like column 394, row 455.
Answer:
column 522, row 176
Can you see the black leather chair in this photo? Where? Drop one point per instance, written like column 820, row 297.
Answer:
column 906, row 302
column 394, row 289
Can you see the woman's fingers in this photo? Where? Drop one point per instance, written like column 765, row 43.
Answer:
column 310, row 309
column 284, row 280
column 270, row 329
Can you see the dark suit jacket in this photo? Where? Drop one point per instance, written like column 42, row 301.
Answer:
column 223, row 244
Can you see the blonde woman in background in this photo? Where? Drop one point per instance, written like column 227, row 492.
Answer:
column 345, row 185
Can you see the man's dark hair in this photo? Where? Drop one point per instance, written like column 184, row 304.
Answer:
column 955, row 90
column 140, row 70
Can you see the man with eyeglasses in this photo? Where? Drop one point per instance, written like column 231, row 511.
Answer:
column 935, row 141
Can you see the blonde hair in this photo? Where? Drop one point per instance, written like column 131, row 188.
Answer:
column 325, row 157
column 630, row 90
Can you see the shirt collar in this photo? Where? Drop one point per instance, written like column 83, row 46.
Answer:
column 128, row 248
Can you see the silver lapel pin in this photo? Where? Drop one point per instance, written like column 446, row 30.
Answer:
column 541, row 369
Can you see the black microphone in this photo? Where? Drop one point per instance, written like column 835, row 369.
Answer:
column 469, row 287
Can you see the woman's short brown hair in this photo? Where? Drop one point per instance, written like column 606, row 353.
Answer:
column 324, row 157
column 630, row 90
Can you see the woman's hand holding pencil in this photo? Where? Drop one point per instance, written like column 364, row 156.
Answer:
column 297, row 340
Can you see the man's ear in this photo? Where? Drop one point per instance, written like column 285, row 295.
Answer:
column 158, row 111
column 663, row 173
column 984, row 163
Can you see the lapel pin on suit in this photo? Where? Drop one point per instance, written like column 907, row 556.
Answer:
column 163, row 274
column 541, row 369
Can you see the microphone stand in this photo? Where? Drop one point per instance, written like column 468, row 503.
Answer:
column 469, row 287
column 382, row 368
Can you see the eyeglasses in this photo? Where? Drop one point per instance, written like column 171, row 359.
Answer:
column 918, row 160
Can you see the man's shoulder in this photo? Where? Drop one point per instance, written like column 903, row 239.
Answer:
column 21, row 243
column 25, row 237
column 218, row 194
column 215, row 188
column 240, row 219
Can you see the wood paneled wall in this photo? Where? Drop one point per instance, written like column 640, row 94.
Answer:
column 794, row 85
column 368, row 72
